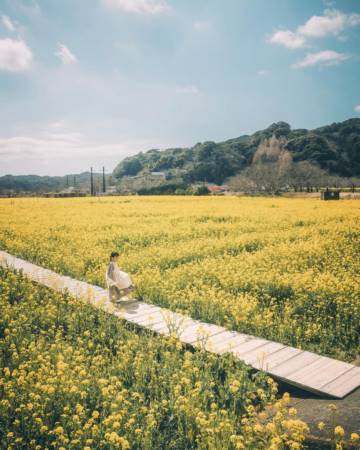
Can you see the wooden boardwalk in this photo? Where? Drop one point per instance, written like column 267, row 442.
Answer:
column 306, row 370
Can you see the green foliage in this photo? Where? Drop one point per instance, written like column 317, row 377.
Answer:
column 130, row 166
column 201, row 190
column 164, row 189
column 334, row 148
column 313, row 148
column 37, row 183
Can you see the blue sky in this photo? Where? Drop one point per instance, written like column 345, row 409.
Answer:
column 87, row 82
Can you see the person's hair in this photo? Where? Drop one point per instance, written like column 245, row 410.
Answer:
column 113, row 254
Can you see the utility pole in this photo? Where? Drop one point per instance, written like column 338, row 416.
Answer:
column 91, row 181
column 104, row 184
column 67, row 180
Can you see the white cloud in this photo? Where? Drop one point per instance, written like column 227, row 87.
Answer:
column 262, row 73
column 138, row 6
column 357, row 108
column 58, row 124
column 332, row 23
column 15, row 55
column 288, row 39
column 65, row 55
column 6, row 21
column 190, row 89
column 50, row 153
column 324, row 58
column 201, row 25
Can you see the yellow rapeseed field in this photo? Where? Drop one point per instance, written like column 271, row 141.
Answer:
column 283, row 269
column 73, row 377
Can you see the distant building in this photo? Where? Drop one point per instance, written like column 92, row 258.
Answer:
column 330, row 195
column 70, row 191
column 158, row 174
column 215, row 189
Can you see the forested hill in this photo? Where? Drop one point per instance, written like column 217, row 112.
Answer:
column 334, row 148
column 38, row 183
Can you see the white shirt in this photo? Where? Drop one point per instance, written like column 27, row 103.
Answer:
column 115, row 276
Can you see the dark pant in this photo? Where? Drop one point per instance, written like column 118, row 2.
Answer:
column 115, row 293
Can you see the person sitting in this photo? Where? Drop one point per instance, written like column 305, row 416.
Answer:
column 118, row 282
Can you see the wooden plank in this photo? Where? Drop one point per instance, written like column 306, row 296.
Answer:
column 232, row 343
column 279, row 357
column 196, row 325
column 219, row 341
column 139, row 310
column 223, row 337
column 137, row 316
column 343, row 384
column 241, row 349
column 200, row 330
column 294, row 364
column 214, row 339
column 257, row 358
column 205, row 331
column 191, row 328
column 177, row 321
column 146, row 319
column 149, row 322
column 145, row 312
column 320, row 372
column 131, row 312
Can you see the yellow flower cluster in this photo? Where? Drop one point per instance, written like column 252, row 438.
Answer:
column 284, row 269
column 129, row 389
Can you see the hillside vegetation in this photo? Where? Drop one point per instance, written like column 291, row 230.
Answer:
column 332, row 150
column 271, row 160
column 43, row 183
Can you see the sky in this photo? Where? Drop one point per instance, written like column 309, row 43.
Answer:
column 88, row 82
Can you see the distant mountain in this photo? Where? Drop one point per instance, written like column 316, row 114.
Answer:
column 333, row 148
column 40, row 184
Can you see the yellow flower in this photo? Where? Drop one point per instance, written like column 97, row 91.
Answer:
column 270, row 427
column 321, row 426
column 339, row 431
column 258, row 428
column 234, row 386
column 79, row 409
